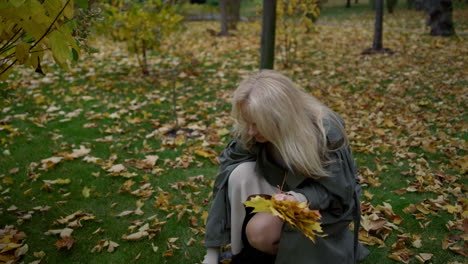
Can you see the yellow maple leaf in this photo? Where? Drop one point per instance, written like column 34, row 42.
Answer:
column 296, row 214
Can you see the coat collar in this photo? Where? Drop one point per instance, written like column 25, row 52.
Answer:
column 274, row 173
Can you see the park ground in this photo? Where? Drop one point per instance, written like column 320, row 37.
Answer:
column 94, row 170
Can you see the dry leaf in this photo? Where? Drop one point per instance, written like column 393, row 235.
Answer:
column 39, row 254
column 66, row 232
column 112, row 246
column 135, row 236
column 117, row 168
column 65, row 242
column 155, row 248
column 125, row 213
column 21, row 251
column 85, row 191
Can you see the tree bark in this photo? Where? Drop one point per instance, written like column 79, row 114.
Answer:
column 267, row 57
column 230, row 15
column 378, row 28
column 224, row 17
column 440, row 17
column 348, row 3
column 377, row 46
column 233, row 13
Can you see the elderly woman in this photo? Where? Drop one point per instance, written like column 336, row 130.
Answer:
column 289, row 145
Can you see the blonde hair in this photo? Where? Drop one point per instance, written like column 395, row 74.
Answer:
column 285, row 115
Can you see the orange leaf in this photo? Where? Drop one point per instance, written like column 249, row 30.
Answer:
column 65, row 242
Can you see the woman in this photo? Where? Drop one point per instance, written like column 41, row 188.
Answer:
column 290, row 145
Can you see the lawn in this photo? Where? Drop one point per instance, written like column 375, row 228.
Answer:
column 96, row 151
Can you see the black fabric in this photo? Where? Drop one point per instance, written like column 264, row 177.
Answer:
column 248, row 254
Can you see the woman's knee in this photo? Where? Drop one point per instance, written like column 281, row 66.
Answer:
column 242, row 174
column 264, row 231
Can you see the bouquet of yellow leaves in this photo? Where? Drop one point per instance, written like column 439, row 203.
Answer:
column 296, row 214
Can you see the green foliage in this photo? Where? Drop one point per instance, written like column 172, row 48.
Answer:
column 291, row 16
column 141, row 25
column 29, row 28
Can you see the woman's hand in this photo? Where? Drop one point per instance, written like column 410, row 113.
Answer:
column 284, row 197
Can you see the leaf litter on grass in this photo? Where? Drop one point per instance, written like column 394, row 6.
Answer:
column 405, row 111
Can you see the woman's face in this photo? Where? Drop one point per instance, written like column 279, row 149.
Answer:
column 253, row 132
column 252, row 127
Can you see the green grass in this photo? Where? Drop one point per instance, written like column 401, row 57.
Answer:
column 420, row 89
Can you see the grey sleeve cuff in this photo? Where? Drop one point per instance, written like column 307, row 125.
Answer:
column 299, row 196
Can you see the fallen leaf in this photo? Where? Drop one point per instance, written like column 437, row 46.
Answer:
column 85, row 192
column 65, row 242
column 39, row 254
column 117, row 168
column 135, row 236
column 13, row 171
column 155, row 248
column 125, row 213
column 66, row 232
column 423, row 257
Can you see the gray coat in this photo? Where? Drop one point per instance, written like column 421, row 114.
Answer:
column 337, row 198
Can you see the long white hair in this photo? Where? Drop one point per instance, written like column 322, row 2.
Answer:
column 286, row 116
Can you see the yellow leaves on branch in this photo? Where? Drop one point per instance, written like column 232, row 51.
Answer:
column 45, row 22
column 295, row 213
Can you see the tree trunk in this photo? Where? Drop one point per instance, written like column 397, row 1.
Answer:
column 348, row 3
column 267, row 58
column 440, row 17
column 230, row 15
column 378, row 29
column 223, row 5
column 377, row 46
column 233, row 13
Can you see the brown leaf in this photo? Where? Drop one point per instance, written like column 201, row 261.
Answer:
column 13, row 171
column 65, row 242
column 168, row 253
column 193, row 221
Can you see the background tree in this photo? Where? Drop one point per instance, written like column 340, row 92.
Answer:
column 31, row 28
column 295, row 20
column 440, row 17
column 348, row 3
column 234, row 13
column 377, row 45
column 143, row 26
column 267, row 56
column 229, row 15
